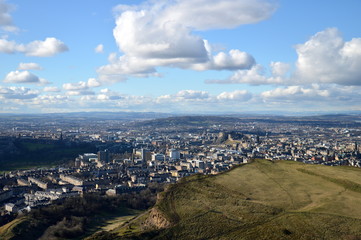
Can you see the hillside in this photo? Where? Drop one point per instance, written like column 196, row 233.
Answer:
column 261, row 200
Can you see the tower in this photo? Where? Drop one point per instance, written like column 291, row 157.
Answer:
column 103, row 156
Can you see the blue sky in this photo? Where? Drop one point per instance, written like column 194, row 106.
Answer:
column 188, row 56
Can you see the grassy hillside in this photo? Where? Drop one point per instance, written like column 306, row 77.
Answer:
column 264, row 200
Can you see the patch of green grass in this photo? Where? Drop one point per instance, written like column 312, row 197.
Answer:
column 131, row 226
column 347, row 184
column 109, row 221
column 6, row 231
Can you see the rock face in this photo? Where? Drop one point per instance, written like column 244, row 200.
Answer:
column 224, row 136
column 157, row 220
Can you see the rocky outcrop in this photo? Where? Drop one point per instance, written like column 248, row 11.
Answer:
column 232, row 136
column 157, row 220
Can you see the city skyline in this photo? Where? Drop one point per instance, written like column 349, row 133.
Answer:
column 186, row 56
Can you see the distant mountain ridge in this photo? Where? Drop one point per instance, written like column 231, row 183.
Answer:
column 98, row 115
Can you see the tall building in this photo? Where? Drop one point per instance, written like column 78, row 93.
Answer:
column 103, row 156
column 146, row 155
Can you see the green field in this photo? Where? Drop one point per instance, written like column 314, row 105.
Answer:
column 264, row 200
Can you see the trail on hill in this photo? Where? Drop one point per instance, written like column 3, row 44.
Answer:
column 278, row 184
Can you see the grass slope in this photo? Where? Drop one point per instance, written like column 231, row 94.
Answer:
column 265, row 200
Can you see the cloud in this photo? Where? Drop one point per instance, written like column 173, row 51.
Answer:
column 327, row 58
column 257, row 75
column 47, row 48
column 10, row 46
column 75, row 86
column 234, row 60
column 80, row 93
column 240, row 95
column 253, row 76
column 81, row 88
column 24, row 77
column 18, row 93
column 162, row 34
column 298, row 97
column 107, row 94
column 296, row 93
column 315, row 97
column 279, row 69
column 99, row 48
column 183, row 96
column 6, row 21
column 92, row 82
column 44, row 100
column 147, row 45
column 192, row 94
column 29, row 66
column 104, row 97
column 51, row 89
column 324, row 59
column 212, row 14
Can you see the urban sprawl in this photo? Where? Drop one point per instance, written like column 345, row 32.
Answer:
column 127, row 159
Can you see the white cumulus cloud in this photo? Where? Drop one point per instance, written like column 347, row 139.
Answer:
column 23, row 77
column 279, row 69
column 75, row 86
column 184, row 95
column 212, row 14
column 327, row 58
column 296, row 93
column 47, row 48
column 51, row 89
column 18, row 93
column 6, row 21
column 233, row 60
column 240, row 95
column 99, row 48
column 29, row 66
column 92, row 82
column 162, row 34
column 254, row 76
column 80, row 93
column 192, row 94
column 10, row 47
column 107, row 94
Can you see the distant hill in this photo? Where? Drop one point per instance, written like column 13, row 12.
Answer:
column 207, row 121
column 125, row 116
column 260, row 200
